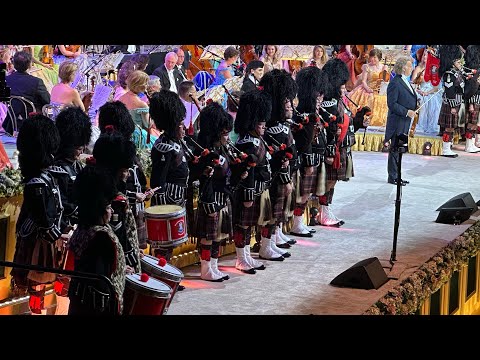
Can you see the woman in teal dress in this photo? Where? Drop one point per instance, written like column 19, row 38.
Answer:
column 137, row 83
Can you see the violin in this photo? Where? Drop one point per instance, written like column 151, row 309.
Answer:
column 47, row 54
column 73, row 48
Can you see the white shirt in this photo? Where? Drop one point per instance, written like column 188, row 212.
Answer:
column 405, row 79
column 173, row 85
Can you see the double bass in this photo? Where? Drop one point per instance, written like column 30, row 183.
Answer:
column 247, row 53
column 196, row 65
column 361, row 52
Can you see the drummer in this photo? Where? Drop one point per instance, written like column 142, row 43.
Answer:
column 170, row 170
column 116, row 154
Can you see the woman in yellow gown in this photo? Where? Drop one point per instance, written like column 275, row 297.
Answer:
column 366, row 91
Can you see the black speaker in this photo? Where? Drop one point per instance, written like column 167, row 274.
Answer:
column 461, row 200
column 366, row 274
column 454, row 215
column 457, row 210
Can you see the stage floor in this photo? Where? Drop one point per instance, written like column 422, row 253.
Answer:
column 300, row 284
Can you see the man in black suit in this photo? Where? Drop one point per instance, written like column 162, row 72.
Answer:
column 170, row 77
column 180, row 63
column 21, row 83
column 401, row 101
column 253, row 75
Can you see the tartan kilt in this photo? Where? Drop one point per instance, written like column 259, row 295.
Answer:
column 141, row 230
column 248, row 216
column 206, row 226
column 472, row 117
column 307, row 183
column 340, row 173
column 278, row 199
column 446, row 119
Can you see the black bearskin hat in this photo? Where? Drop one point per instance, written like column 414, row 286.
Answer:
column 311, row 83
column 472, row 57
column 167, row 111
column 114, row 152
column 116, row 113
column 37, row 143
column 75, row 130
column 337, row 73
column 93, row 190
column 213, row 121
column 280, row 85
column 448, row 55
column 255, row 106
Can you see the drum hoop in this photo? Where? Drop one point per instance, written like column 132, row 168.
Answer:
column 170, row 216
column 158, row 270
column 166, row 244
column 148, row 291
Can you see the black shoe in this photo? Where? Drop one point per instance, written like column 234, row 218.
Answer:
column 281, row 258
column 286, row 255
column 292, row 241
column 255, row 248
column 284, row 246
column 405, row 181
column 249, row 271
column 180, row 288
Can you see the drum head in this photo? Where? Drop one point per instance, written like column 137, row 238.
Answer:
column 163, row 211
column 152, row 287
column 168, row 271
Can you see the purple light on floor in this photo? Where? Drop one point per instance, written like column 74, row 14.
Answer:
column 306, row 243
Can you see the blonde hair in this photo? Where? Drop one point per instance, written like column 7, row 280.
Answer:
column 276, row 56
column 324, row 58
column 137, row 81
column 67, row 70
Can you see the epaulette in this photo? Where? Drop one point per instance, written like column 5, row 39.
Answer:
column 57, row 170
column 329, row 103
column 36, row 180
column 163, row 147
column 249, row 139
column 275, row 129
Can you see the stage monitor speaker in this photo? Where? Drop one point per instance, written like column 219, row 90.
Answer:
column 454, row 215
column 461, row 200
column 366, row 274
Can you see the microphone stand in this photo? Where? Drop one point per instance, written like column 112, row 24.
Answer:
column 398, row 200
column 94, row 63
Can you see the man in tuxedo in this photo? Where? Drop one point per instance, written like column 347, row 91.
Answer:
column 21, row 83
column 401, row 101
column 170, row 77
column 180, row 60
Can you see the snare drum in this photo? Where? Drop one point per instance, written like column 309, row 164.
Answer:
column 169, row 274
column 145, row 298
column 166, row 226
